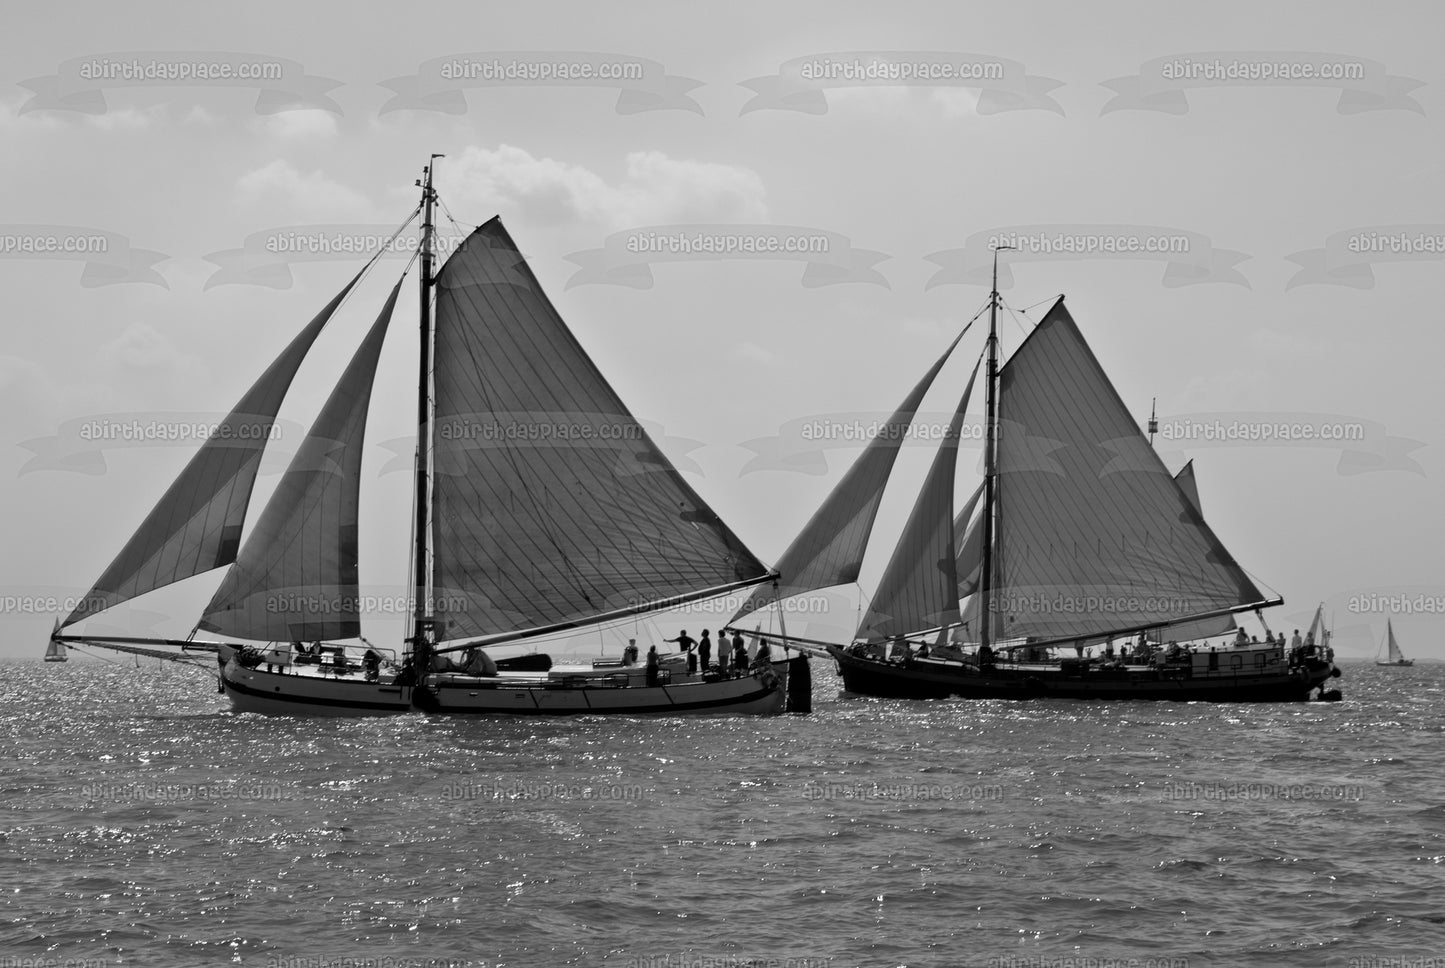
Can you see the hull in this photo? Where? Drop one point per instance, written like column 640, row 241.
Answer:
column 1403, row 663
column 926, row 679
column 285, row 694
column 57, row 658
column 291, row 694
column 755, row 695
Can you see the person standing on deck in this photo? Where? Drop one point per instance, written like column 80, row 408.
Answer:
column 722, row 653
column 652, row 666
column 740, row 654
column 1295, row 642
column 704, row 651
column 684, row 642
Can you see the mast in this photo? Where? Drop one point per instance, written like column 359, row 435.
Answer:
column 990, row 458
column 422, row 631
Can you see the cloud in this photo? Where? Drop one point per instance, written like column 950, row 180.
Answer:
column 141, row 347
column 298, row 125
column 751, row 354
column 313, row 195
column 128, row 119
column 654, row 190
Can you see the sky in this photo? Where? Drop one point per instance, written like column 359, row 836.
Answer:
column 1304, row 213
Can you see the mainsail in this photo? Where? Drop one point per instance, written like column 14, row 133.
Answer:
column 196, row 525
column 1395, row 654
column 829, row 550
column 550, row 502
column 296, row 575
column 919, row 588
column 1093, row 535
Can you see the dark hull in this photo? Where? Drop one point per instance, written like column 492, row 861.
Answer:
column 937, row 680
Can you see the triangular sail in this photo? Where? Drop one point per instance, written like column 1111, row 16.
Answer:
column 1395, row 654
column 968, row 539
column 550, row 502
column 196, row 525
column 829, row 550
column 1094, row 535
column 1190, row 487
column 919, row 588
column 1203, row 628
column 1317, row 626
column 296, row 575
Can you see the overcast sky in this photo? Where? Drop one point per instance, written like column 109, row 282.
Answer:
column 1267, row 320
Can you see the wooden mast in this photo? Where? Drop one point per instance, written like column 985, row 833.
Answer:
column 422, row 637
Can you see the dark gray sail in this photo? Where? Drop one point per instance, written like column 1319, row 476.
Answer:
column 196, row 525
column 919, row 587
column 550, row 502
column 829, row 550
column 1094, row 535
column 296, row 575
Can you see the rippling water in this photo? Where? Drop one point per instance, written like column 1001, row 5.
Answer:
column 140, row 823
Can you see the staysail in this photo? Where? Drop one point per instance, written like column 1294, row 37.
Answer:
column 829, row 550
column 919, row 587
column 1093, row 534
column 968, row 538
column 551, row 504
column 196, row 525
column 296, row 575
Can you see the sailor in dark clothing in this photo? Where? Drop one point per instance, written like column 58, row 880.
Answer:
column 704, row 651
column 684, row 641
column 652, row 666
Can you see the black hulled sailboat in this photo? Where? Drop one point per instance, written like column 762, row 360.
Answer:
column 1081, row 537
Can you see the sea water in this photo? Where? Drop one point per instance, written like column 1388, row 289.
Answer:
column 142, row 823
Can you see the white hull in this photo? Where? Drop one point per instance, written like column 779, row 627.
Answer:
column 287, row 694
column 291, row 694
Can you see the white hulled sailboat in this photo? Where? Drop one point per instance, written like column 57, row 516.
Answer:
column 1391, row 649
column 524, row 524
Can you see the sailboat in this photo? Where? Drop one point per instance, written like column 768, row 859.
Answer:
column 1392, row 649
column 55, row 652
column 523, row 527
column 1081, row 539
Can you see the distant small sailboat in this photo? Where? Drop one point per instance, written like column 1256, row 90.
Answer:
column 1396, row 657
column 55, row 652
